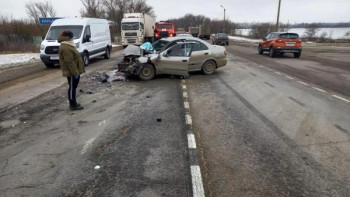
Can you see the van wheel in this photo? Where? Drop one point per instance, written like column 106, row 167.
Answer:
column 86, row 59
column 147, row 72
column 49, row 65
column 107, row 53
column 209, row 67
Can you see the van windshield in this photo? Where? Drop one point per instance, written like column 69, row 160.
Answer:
column 55, row 31
column 130, row 26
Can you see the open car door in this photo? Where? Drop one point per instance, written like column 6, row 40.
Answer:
column 175, row 60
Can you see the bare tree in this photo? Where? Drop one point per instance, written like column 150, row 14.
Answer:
column 93, row 8
column 311, row 31
column 261, row 30
column 40, row 9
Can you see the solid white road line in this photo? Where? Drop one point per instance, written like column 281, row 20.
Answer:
column 289, row 77
column 318, row 89
column 187, row 105
column 341, row 98
column 197, row 183
column 185, row 95
column 87, row 145
column 303, row 83
column 188, row 119
column 191, row 141
column 184, row 87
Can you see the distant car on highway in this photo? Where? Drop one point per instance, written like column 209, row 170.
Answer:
column 177, row 56
column 184, row 35
column 280, row 43
column 220, row 38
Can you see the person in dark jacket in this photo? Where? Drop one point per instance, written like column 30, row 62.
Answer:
column 71, row 65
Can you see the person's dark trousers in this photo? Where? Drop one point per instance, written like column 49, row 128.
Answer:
column 73, row 84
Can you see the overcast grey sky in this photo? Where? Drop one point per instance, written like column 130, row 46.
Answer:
column 294, row 11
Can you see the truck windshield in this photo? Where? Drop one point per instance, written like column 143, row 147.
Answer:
column 165, row 26
column 56, row 31
column 130, row 26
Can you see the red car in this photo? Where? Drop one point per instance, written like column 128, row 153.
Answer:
column 280, row 43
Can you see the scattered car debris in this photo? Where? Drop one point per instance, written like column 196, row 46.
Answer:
column 110, row 76
column 94, row 101
column 97, row 167
column 159, row 120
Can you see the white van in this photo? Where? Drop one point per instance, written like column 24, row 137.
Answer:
column 91, row 37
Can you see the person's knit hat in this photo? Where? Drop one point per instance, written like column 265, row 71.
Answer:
column 68, row 34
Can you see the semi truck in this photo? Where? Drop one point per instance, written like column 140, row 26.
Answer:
column 164, row 29
column 137, row 28
column 204, row 32
column 194, row 31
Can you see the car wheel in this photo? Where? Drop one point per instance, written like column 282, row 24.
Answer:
column 107, row 54
column 260, row 51
column 86, row 59
column 272, row 52
column 297, row 55
column 147, row 72
column 209, row 67
column 49, row 65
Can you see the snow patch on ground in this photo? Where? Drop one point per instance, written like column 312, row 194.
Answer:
column 11, row 60
column 237, row 38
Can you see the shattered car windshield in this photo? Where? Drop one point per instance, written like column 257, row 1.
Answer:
column 159, row 45
column 130, row 26
column 55, row 31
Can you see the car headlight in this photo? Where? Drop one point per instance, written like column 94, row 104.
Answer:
column 42, row 47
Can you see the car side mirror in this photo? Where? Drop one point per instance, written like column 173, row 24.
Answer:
column 264, row 39
column 165, row 54
column 87, row 38
column 43, row 38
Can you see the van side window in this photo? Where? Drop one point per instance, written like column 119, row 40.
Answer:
column 87, row 33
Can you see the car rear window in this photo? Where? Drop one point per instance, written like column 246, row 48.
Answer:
column 289, row 36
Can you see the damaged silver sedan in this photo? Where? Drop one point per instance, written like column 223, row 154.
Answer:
column 175, row 56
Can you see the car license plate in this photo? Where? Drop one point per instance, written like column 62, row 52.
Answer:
column 54, row 58
column 290, row 44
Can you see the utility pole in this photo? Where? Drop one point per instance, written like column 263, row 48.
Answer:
column 278, row 14
column 224, row 18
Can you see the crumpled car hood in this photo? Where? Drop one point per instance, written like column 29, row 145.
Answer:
column 151, row 57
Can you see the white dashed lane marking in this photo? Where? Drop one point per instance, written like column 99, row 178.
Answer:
column 197, row 183
column 303, row 83
column 341, row 98
column 318, row 89
column 191, row 141
column 188, row 119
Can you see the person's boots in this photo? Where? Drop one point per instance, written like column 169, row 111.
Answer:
column 77, row 107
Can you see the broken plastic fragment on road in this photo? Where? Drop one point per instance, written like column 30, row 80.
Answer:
column 97, row 167
column 110, row 76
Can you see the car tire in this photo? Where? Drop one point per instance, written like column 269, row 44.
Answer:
column 86, row 59
column 107, row 54
column 260, row 50
column 49, row 65
column 209, row 67
column 297, row 55
column 147, row 72
column 272, row 52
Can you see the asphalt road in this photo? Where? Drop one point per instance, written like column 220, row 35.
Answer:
column 260, row 131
